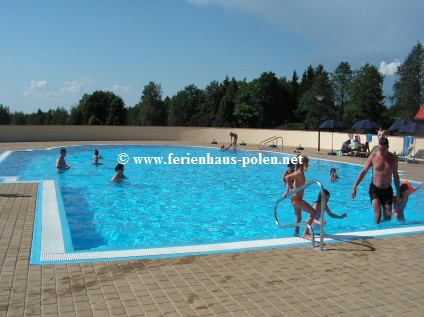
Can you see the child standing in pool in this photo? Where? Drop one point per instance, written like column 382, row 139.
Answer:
column 404, row 191
column 317, row 207
column 298, row 178
column 119, row 175
column 333, row 175
column 60, row 162
column 96, row 158
column 290, row 169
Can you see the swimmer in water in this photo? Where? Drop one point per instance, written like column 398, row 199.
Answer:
column 119, row 175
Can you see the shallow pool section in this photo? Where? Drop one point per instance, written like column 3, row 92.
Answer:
column 173, row 209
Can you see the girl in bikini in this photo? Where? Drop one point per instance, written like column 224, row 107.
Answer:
column 299, row 179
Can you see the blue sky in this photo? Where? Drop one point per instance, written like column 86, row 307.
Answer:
column 52, row 52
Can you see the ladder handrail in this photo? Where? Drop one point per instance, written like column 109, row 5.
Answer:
column 273, row 138
column 323, row 208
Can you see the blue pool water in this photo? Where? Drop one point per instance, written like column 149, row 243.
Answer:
column 173, row 205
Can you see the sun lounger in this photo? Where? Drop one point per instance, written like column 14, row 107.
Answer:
column 417, row 158
column 405, row 154
column 365, row 154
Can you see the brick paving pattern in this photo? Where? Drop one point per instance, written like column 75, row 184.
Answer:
column 377, row 277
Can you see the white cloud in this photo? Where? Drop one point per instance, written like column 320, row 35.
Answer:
column 76, row 86
column 389, row 69
column 116, row 87
column 37, row 88
column 41, row 88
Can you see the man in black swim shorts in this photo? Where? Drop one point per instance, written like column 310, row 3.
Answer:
column 384, row 165
column 385, row 196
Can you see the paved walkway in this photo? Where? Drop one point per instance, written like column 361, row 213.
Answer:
column 378, row 277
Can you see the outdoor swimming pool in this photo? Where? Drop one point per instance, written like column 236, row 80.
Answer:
column 169, row 205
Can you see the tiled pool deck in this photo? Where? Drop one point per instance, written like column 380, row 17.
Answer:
column 378, row 277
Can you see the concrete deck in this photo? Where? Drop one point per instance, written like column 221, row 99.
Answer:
column 378, row 277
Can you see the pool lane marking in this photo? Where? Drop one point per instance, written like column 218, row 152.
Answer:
column 220, row 247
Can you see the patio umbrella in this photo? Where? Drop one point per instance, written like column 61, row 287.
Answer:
column 331, row 125
column 365, row 125
column 399, row 125
column 413, row 129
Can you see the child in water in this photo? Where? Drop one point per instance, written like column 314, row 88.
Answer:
column 298, row 179
column 317, row 207
column 119, row 175
column 290, row 169
column 404, row 191
column 96, row 158
column 333, row 175
column 60, row 162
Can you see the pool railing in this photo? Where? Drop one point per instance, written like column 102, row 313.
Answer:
column 323, row 207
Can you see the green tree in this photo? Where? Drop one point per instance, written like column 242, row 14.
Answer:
column 225, row 112
column 308, row 77
column 208, row 109
column 93, row 120
column 19, row 118
column 76, row 116
column 367, row 96
column 103, row 105
column 152, row 109
column 409, row 86
column 317, row 104
column 294, row 91
column 60, row 116
column 36, row 118
column 247, row 111
column 5, row 116
column 184, row 105
column 117, row 112
column 270, row 98
column 341, row 80
column 133, row 115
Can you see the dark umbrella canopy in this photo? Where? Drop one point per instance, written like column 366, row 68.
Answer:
column 365, row 125
column 398, row 125
column 413, row 128
column 331, row 125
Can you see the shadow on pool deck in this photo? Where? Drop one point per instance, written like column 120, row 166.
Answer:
column 378, row 277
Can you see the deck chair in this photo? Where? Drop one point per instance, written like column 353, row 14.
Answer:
column 417, row 158
column 406, row 154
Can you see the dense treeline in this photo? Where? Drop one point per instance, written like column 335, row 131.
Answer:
column 265, row 102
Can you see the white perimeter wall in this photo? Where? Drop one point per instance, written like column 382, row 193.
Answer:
column 308, row 139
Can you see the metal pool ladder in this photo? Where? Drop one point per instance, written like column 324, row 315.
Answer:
column 314, row 181
column 266, row 145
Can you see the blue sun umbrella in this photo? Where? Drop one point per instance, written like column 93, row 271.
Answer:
column 398, row 125
column 413, row 128
column 331, row 125
column 365, row 125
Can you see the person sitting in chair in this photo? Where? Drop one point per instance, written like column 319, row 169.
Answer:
column 346, row 148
